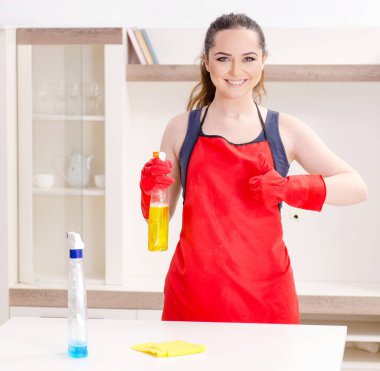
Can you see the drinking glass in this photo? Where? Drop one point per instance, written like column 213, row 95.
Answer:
column 74, row 93
column 94, row 96
column 42, row 96
column 61, row 94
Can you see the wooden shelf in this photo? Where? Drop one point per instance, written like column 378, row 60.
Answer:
column 64, row 36
column 40, row 117
column 314, row 304
column 68, row 191
column 106, row 297
column 278, row 73
column 353, row 298
column 161, row 72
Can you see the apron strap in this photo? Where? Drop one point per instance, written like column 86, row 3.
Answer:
column 192, row 134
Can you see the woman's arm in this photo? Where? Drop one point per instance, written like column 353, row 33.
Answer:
column 171, row 144
column 344, row 186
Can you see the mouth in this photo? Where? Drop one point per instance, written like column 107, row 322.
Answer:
column 236, row 82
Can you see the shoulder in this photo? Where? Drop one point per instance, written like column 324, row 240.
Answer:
column 175, row 132
column 178, row 122
column 298, row 137
column 290, row 122
column 294, row 127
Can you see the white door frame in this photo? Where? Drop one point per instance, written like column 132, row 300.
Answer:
column 8, row 168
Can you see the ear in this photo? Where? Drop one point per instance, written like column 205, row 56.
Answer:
column 205, row 60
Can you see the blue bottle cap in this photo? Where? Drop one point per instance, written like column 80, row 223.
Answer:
column 76, row 254
column 76, row 245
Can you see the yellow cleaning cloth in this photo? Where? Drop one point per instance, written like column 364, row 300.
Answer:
column 169, row 348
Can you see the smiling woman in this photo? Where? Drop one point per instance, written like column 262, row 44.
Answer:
column 236, row 69
column 231, row 33
column 232, row 157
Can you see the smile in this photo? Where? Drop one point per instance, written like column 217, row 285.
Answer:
column 236, row 82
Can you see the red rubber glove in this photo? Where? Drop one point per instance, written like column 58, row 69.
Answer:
column 154, row 176
column 302, row 191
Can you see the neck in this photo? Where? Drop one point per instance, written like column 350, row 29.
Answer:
column 233, row 108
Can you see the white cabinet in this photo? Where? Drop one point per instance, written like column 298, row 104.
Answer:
column 70, row 136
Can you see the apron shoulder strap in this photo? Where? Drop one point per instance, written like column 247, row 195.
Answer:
column 192, row 134
column 277, row 147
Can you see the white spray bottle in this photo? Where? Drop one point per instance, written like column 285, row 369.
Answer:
column 77, row 299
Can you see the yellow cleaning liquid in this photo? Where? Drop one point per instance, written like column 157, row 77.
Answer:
column 158, row 227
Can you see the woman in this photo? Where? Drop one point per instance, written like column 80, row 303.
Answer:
column 232, row 158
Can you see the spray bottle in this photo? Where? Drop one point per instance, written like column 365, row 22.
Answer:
column 158, row 223
column 77, row 299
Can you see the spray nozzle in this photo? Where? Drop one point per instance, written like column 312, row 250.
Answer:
column 160, row 155
column 75, row 241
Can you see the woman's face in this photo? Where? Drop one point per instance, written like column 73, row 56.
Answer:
column 235, row 62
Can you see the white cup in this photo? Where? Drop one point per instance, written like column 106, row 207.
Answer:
column 100, row 180
column 43, row 180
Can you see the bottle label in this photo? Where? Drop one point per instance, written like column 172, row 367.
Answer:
column 158, row 227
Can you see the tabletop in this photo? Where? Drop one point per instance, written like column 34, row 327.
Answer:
column 41, row 344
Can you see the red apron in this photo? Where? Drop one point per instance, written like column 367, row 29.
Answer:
column 230, row 264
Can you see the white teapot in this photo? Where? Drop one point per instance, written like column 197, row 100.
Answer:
column 78, row 171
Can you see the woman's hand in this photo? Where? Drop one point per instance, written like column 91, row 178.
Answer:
column 269, row 187
column 154, row 175
column 303, row 191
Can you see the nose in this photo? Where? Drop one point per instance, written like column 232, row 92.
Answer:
column 235, row 68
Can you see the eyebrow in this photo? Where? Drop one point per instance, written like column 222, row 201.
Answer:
column 229, row 55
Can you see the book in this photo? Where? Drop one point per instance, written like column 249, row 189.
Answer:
column 149, row 44
column 143, row 46
column 136, row 47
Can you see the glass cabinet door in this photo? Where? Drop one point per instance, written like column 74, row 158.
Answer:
column 65, row 150
column 71, row 98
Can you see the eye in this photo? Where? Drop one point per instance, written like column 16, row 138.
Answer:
column 249, row 59
column 222, row 59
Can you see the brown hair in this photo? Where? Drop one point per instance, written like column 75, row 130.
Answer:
column 203, row 93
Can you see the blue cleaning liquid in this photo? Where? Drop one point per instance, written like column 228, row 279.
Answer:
column 78, row 351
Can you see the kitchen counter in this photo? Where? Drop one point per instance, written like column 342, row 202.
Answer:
column 41, row 344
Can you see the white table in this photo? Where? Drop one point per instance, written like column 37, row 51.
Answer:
column 41, row 343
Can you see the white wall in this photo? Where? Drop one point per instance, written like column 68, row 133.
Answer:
column 199, row 13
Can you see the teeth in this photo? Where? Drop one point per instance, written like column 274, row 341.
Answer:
column 236, row 82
